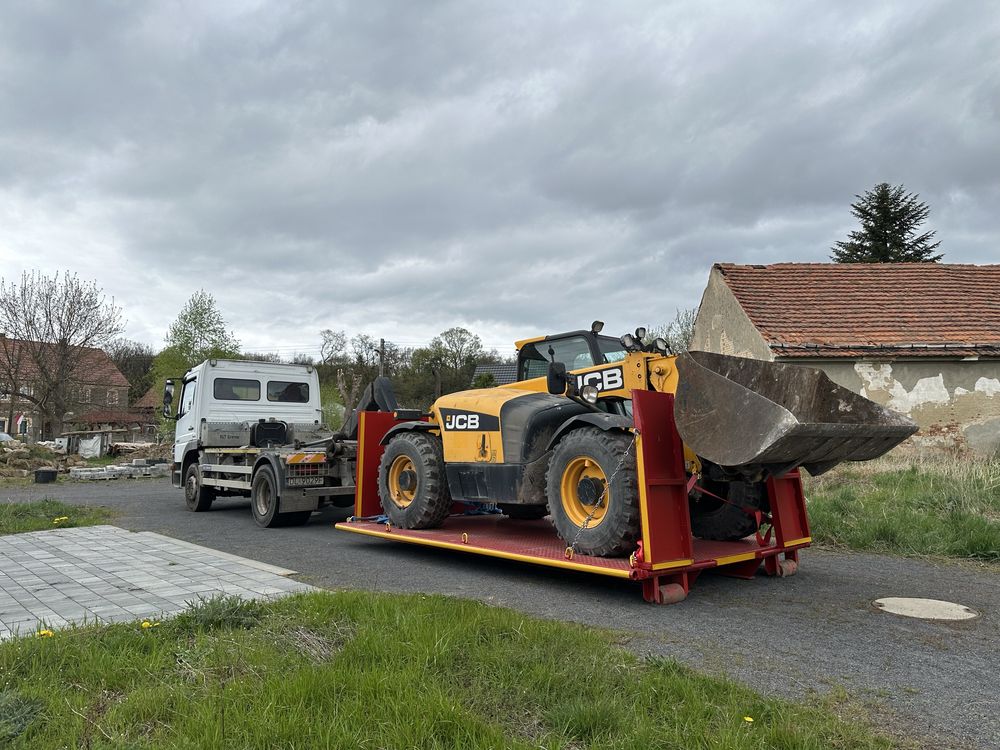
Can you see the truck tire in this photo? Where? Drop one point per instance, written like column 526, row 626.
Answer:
column 724, row 522
column 265, row 502
column 412, row 483
column 582, row 465
column 524, row 512
column 197, row 497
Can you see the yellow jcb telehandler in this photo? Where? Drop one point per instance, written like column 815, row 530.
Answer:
column 631, row 451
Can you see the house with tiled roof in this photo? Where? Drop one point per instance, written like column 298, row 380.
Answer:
column 920, row 338
column 96, row 383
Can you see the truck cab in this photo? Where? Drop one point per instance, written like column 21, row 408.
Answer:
column 256, row 429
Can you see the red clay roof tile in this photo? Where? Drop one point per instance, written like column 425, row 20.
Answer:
column 95, row 366
column 855, row 309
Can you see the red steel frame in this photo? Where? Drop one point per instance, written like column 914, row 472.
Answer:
column 668, row 558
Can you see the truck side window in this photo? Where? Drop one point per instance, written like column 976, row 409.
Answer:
column 187, row 397
column 236, row 389
column 573, row 351
column 287, row 392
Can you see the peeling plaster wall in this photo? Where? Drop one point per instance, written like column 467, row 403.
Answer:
column 723, row 327
column 956, row 403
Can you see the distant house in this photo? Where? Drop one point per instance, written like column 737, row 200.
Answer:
column 151, row 403
column 97, row 383
column 501, row 374
column 920, row 338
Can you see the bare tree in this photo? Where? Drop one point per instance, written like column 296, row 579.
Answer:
column 678, row 332
column 50, row 326
column 332, row 346
column 134, row 360
column 349, row 391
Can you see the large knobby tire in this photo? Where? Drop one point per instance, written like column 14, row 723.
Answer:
column 726, row 522
column 265, row 502
column 412, row 484
column 197, row 497
column 582, row 465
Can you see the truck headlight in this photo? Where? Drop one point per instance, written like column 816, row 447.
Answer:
column 589, row 393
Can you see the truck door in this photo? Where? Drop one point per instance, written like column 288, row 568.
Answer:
column 187, row 419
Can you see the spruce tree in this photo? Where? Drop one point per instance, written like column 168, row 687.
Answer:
column 890, row 219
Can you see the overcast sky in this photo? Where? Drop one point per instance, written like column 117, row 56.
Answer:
column 515, row 168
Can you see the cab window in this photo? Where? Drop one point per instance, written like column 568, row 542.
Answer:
column 187, row 397
column 573, row 351
column 236, row 389
column 611, row 349
column 287, row 392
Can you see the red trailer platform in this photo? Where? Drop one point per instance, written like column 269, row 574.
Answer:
column 667, row 560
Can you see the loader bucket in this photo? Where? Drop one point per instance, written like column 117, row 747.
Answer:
column 754, row 415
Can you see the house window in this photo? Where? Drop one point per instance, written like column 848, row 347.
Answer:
column 112, row 397
column 86, row 396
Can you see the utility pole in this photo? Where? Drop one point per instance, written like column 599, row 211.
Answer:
column 381, row 358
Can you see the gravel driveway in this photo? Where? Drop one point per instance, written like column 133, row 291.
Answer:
column 813, row 632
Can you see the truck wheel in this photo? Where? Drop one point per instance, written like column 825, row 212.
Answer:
column 412, row 483
column 578, row 488
column 524, row 512
column 713, row 519
column 196, row 496
column 265, row 502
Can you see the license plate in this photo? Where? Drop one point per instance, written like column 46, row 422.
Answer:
column 305, row 481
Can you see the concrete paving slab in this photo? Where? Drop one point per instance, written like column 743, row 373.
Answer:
column 107, row 574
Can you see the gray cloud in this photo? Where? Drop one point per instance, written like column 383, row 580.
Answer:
column 401, row 168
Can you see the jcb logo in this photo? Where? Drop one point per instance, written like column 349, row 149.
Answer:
column 610, row 379
column 461, row 422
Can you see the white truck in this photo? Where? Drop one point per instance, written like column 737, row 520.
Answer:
column 256, row 429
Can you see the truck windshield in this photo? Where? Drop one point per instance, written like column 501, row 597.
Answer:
column 236, row 389
column 287, row 392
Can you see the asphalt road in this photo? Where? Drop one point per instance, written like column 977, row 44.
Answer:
column 816, row 631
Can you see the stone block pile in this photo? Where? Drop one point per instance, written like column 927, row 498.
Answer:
column 139, row 467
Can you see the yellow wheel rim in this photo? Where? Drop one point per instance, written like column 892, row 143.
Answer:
column 577, row 508
column 402, row 497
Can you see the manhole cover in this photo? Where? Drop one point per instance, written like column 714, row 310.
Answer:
column 925, row 609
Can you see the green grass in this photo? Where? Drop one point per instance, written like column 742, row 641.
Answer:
column 42, row 514
column 923, row 508
column 362, row 670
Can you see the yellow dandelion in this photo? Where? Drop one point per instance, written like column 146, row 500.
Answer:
column 60, row 519
column 748, row 719
column 146, row 624
column 45, row 633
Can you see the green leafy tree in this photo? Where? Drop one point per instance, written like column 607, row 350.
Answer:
column 199, row 332
column 484, row 380
column 890, row 224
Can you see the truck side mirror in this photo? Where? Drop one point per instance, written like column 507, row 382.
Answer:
column 555, row 379
column 168, row 398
